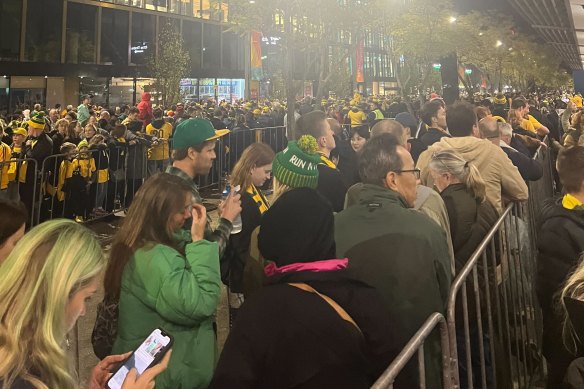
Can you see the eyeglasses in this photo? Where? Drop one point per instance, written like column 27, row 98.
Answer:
column 416, row 172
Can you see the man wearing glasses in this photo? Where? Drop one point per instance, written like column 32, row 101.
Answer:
column 399, row 251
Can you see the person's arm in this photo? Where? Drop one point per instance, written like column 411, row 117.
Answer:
column 442, row 263
column 566, row 118
column 529, row 168
column 513, row 186
column 189, row 295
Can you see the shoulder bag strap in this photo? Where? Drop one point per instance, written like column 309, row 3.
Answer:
column 340, row 311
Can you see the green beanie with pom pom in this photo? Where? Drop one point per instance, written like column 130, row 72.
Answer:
column 297, row 165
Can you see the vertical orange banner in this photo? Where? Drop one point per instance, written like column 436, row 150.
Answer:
column 256, row 55
column 360, row 77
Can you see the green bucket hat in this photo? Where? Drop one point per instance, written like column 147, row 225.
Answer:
column 193, row 132
column 296, row 165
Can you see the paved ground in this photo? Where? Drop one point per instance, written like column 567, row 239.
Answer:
column 82, row 357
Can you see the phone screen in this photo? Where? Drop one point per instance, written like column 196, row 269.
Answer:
column 148, row 351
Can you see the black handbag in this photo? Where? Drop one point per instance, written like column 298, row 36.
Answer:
column 105, row 329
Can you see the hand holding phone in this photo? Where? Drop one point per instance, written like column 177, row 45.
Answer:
column 146, row 380
column 147, row 355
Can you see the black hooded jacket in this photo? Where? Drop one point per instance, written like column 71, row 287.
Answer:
column 560, row 244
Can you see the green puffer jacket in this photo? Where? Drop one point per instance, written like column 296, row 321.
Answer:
column 162, row 288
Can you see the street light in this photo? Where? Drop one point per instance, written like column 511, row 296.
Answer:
column 452, row 19
column 499, row 44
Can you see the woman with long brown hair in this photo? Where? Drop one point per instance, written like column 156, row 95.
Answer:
column 251, row 171
column 166, row 277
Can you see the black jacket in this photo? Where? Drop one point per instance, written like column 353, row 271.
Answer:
column 39, row 149
column 348, row 164
column 234, row 259
column 529, row 168
column 331, row 186
column 470, row 221
column 560, row 244
column 58, row 140
column 285, row 337
column 432, row 136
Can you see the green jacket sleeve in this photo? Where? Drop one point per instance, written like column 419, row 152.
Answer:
column 190, row 295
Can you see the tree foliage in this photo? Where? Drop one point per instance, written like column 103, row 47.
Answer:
column 171, row 65
column 421, row 32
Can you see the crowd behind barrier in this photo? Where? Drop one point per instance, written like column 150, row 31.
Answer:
column 75, row 186
column 491, row 333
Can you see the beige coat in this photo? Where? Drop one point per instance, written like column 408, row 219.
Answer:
column 502, row 178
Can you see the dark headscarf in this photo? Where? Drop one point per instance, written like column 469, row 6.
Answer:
column 298, row 227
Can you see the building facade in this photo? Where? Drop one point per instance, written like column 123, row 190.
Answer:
column 54, row 51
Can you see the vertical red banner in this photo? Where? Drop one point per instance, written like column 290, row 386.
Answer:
column 256, row 55
column 360, row 77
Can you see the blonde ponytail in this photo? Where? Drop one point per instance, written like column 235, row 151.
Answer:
column 474, row 181
column 449, row 161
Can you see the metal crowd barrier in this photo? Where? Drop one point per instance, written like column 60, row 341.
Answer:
column 52, row 196
column 27, row 192
column 494, row 323
column 416, row 347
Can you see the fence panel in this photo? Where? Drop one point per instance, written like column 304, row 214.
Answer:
column 20, row 180
column 416, row 347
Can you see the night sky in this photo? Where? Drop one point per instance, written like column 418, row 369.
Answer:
column 501, row 5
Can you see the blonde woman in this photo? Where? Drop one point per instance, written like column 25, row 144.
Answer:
column 464, row 193
column 46, row 281
column 251, row 171
column 572, row 303
column 471, row 217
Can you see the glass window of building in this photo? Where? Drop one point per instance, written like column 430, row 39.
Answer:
column 26, row 92
column 211, row 46
column 147, row 85
column 181, row 7
column 81, row 23
column 4, row 90
column 10, row 17
column 205, row 9
column 192, row 38
column 157, row 5
column 121, row 91
column 207, row 88
column 229, row 50
column 143, row 40
column 114, row 37
column 132, row 3
column 43, row 30
column 96, row 87
column 189, row 89
column 197, row 9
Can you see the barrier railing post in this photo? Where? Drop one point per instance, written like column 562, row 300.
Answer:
column 416, row 346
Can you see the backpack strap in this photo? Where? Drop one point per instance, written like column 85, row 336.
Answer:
column 338, row 309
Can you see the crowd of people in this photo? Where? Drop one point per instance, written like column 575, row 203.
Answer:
column 377, row 205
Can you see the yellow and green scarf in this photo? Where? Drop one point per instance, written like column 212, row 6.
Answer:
column 258, row 198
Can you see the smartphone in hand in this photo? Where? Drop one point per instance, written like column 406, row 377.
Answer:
column 148, row 354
